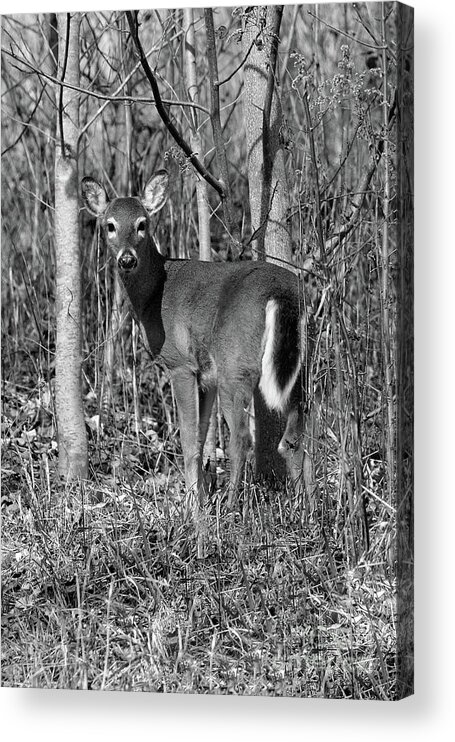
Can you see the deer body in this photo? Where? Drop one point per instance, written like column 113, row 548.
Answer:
column 217, row 326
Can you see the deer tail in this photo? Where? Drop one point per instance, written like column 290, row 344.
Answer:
column 283, row 344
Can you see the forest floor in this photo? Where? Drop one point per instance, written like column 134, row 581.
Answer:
column 102, row 587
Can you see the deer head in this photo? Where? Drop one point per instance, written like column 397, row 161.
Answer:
column 126, row 221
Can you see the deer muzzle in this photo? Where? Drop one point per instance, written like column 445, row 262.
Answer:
column 127, row 260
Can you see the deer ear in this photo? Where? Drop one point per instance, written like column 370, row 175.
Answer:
column 156, row 192
column 94, row 195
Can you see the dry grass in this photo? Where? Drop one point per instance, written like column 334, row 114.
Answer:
column 102, row 588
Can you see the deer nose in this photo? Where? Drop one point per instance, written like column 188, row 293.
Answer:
column 127, row 260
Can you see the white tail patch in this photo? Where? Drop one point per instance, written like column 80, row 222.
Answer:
column 275, row 396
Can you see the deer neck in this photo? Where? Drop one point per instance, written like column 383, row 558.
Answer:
column 145, row 291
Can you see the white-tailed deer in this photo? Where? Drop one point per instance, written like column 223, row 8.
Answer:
column 225, row 326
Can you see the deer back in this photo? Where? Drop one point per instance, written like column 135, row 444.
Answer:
column 214, row 316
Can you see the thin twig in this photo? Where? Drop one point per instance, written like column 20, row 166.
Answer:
column 343, row 33
column 317, row 193
column 162, row 111
column 215, row 119
column 223, row 82
column 114, row 98
column 25, row 124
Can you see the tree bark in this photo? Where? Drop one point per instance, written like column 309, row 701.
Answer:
column 215, row 118
column 268, row 190
column 205, row 246
column 193, row 94
column 72, row 438
column 123, row 181
column 263, row 117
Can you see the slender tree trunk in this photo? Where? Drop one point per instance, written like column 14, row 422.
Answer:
column 205, row 249
column 72, row 437
column 267, row 189
column 215, row 117
column 193, row 94
column 123, row 182
column 388, row 331
column 263, row 118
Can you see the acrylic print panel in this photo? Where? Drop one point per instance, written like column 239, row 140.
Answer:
column 162, row 530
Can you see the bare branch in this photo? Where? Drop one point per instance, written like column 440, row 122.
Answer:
column 162, row 112
column 343, row 33
column 317, row 192
column 24, row 124
column 363, row 189
column 229, row 77
column 114, row 98
column 216, row 122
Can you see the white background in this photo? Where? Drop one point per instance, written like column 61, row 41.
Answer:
column 52, row 715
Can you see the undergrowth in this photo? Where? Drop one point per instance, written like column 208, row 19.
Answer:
column 102, row 587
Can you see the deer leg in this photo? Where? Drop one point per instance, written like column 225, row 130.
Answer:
column 187, row 397
column 294, row 447
column 291, row 444
column 234, row 402
column 206, row 400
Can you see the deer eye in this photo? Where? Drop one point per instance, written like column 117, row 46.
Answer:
column 141, row 225
column 111, row 228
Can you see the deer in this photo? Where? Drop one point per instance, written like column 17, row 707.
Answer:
column 218, row 327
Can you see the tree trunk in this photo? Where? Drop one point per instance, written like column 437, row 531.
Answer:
column 267, row 189
column 269, row 197
column 215, row 118
column 72, row 438
column 193, row 95
column 205, row 248
column 123, row 182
